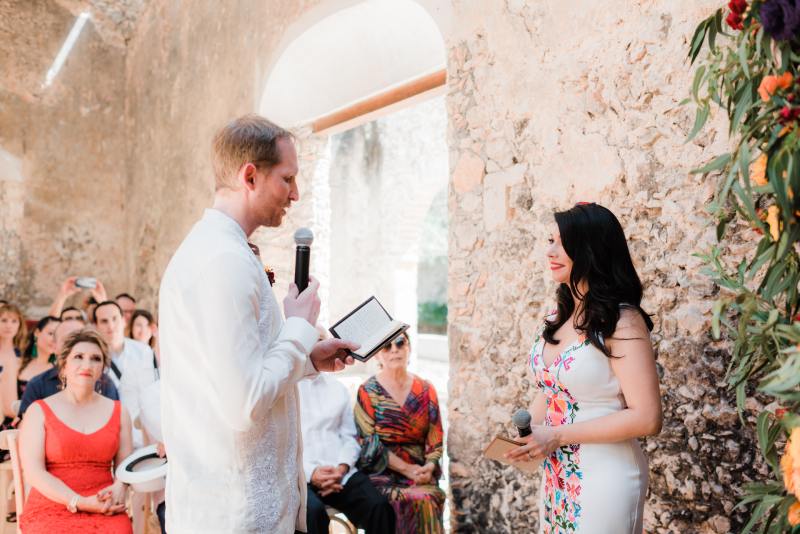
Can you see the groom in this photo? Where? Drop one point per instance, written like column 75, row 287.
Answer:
column 230, row 411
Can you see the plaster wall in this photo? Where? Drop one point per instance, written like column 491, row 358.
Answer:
column 62, row 156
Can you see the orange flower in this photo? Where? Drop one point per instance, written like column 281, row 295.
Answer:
column 794, row 514
column 790, row 464
column 758, row 170
column 773, row 221
column 770, row 84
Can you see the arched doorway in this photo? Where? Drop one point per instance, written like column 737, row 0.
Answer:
column 363, row 87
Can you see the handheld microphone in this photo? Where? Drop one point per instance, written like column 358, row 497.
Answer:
column 522, row 420
column 303, row 238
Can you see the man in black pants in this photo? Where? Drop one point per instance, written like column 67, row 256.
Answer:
column 330, row 451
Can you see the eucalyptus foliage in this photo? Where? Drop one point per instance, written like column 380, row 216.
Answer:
column 743, row 72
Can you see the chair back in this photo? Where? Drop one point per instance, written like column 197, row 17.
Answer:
column 8, row 441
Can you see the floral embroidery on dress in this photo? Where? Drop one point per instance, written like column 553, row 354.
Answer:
column 562, row 470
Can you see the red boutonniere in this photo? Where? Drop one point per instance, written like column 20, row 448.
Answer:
column 270, row 274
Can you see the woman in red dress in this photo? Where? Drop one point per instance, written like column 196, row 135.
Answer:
column 69, row 443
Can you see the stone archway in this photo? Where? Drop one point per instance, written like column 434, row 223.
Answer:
column 364, row 47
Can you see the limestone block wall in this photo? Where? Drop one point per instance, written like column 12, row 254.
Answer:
column 62, row 156
column 552, row 103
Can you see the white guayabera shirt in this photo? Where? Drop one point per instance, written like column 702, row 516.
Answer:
column 329, row 427
column 230, row 365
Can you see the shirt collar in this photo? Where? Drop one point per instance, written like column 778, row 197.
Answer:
column 217, row 218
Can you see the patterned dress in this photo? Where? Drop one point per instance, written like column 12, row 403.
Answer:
column 414, row 433
column 587, row 488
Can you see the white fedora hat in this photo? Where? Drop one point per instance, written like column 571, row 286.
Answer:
column 144, row 470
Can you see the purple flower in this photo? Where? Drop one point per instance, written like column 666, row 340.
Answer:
column 781, row 18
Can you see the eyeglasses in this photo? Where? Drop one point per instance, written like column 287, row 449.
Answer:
column 398, row 343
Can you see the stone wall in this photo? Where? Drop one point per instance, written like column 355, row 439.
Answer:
column 62, row 156
column 552, row 103
column 548, row 103
column 191, row 67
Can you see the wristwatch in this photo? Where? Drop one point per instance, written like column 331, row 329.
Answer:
column 72, row 506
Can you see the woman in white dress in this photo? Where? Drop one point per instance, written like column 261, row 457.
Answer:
column 597, row 386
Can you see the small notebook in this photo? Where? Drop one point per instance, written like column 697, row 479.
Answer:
column 501, row 445
column 369, row 325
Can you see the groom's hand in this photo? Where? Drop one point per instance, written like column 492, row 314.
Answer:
column 304, row 305
column 331, row 354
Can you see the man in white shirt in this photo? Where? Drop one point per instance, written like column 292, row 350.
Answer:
column 230, row 364
column 330, row 451
column 128, row 356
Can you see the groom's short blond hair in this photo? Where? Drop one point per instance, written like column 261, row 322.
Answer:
column 247, row 139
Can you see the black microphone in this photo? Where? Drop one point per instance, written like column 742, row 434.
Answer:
column 522, row 420
column 303, row 238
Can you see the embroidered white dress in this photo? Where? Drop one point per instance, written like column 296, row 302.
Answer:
column 587, row 488
column 230, row 367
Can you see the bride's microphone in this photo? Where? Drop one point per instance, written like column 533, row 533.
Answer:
column 522, row 420
column 303, row 238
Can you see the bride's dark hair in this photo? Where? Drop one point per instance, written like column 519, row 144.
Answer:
column 593, row 239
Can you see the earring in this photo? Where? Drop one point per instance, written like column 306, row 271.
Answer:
column 63, row 381
column 35, row 351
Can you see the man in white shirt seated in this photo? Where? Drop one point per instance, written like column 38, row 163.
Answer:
column 127, row 357
column 330, row 451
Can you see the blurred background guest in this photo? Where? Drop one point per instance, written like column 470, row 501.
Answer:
column 37, row 359
column 145, row 329
column 400, row 429
column 13, row 334
column 71, row 312
column 72, row 487
column 128, row 305
column 68, row 288
column 127, row 355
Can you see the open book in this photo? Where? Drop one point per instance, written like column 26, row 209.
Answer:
column 369, row 325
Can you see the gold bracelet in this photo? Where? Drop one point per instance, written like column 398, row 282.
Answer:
column 72, row 507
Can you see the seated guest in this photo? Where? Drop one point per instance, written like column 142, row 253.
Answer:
column 149, row 397
column 330, row 451
column 128, row 305
column 400, row 429
column 35, row 360
column 46, row 384
column 126, row 354
column 73, row 313
column 67, row 289
column 69, row 445
column 145, row 329
column 13, row 334
column 40, row 354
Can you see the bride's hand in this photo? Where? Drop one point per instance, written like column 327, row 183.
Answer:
column 542, row 441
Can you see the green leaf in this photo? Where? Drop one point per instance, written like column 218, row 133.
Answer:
column 717, row 163
column 697, row 39
column 742, row 105
column 699, row 121
column 698, row 79
column 743, row 58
